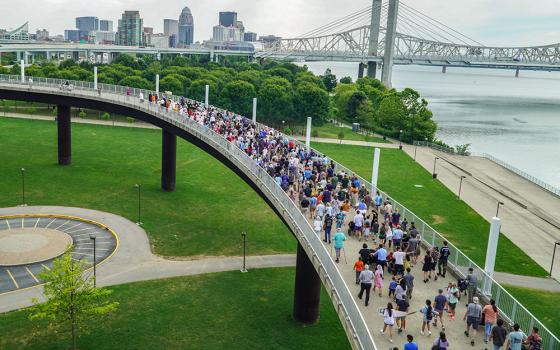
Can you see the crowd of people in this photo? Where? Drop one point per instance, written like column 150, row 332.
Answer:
column 340, row 207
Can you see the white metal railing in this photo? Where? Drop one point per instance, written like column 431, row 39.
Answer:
column 342, row 298
column 345, row 305
column 523, row 174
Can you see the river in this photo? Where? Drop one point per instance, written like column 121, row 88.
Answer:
column 514, row 119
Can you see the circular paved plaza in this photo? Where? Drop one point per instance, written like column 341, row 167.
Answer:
column 30, row 243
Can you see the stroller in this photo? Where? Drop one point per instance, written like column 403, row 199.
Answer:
column 351, row 227
column 462, row 284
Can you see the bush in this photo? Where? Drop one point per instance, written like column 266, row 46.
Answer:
column 287, row 131
column 82, row 114
column 31, row 110
column 130, row 119
column 105, row 116
column 463, row 150
column 314, row 133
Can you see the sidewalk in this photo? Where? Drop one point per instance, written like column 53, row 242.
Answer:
column 349, row 142
column 529, row 216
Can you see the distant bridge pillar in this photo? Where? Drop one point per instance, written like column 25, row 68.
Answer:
column 444, row 69
column 517, row 72
column 390, row 35
column 22, row 70
column 64, row 137
column 168, row 161
column 307, row 291
column 95, row 78
column 26, row 57
column 374, row 36
column 361, row 68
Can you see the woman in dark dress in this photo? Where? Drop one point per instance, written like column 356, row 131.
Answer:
column 427, row 267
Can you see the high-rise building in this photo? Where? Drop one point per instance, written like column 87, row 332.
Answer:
column 72, row 35
column 87, row 23
column 171, row 29
column 42, row 34
column 157, row 40
column 103, row 37
column 106, row 25
column 250, row 36
column 148, row 30
column 131, row 29
column 186, row 28
column 221, row 33
column 228, row 19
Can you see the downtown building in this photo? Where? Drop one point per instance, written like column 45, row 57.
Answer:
column 171, row 29
column 130, row 29
column 186, row 28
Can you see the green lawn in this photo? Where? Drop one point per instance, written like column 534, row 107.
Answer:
column 434, row 203
column 226, row 310
column 545, row 305
column 204, row 216
column 331, row 131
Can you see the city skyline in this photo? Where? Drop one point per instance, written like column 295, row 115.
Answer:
column 498, row 22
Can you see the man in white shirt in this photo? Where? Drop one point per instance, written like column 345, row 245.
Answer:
column 399, row 257
column 358, row 224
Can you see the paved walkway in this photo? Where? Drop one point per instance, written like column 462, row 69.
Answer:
column 349, row 142
column 530, row 216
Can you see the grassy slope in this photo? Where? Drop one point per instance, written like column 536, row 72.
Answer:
column 434, row 203
column 216, row 311
column 330, row 131
column 545, row 305
column 206, row 214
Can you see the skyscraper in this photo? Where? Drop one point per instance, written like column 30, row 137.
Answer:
column 106, row 25
column 228, row 19
column 186, row 27
column 131, row 29
column 87, row 23
column 171, row 29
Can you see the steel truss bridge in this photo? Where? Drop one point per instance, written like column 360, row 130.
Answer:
column 396, row 33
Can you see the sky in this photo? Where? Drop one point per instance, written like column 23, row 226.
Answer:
column 491, row 22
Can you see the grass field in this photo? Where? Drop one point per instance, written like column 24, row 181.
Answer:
column 434, row 203
column 205, row 216
column 226, row 310
column 545, row 305
column 331, row 131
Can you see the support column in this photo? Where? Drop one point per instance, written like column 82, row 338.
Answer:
column 168, row 160
column 206, row 94
column 157, row 85
column 254, row 110
column 390, row 35
column 64, row 137
column 308, row 134
column 517, row 73
column 22, row 70
column 374, row 36
column 444, row 69
column 307, row 291
column 375, row 171
column 491, row 254
column 361, row 67
column 95, row 78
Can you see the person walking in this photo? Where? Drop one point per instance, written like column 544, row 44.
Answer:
column 534, row 341
column 381, row 256
column 427, row 267
column 441, row 343
column 428, row 314
column 514, row 340
column 365, row 278
column 472, row 281
column 410, row 343
column 338, row 239
column 327, row 226
column 444, row 253
column 388, row 321
column 472, row 316
column 490, row 313
column 453, row 299
column 359, row 267
column 409, row 279
column 498, row 335
column 378, row 279
column 439, row 305
column 402, row 308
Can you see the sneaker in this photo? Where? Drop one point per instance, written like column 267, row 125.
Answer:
column 422, row 332
column 337, row 260
column 435, row 278
column 466, row 333
column 399, row 331
column 381, row 331
column 442, row 328
column 452, row 318
column 434, row 324
column 390, row 340
column 429, row 333
column 472, row 342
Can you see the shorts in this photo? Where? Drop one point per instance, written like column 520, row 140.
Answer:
column 452, row 306
column 401, row 318
column 440, row 312
column 473, row 321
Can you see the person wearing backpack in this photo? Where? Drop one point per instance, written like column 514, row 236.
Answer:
column 534, row 341
column 428, row 313
column 441, row 343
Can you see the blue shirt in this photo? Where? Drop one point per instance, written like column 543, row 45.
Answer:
column 339, row 239
column 410, row 346
column 381, row 254
column 378, row 200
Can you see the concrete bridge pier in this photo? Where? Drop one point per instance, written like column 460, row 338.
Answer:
column 361, row 68
column 517, row 73
column 64, row 135
column 307, row 291
column 168, row 160
column 444, row 69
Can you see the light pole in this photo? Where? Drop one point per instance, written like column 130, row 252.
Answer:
column 434, row 175
column 139, row 187
column 460, row 184
column 23, row 188
column 93, row 238
column 498, row 208
column 553, row 255
column 400, row 139
column 244, row 235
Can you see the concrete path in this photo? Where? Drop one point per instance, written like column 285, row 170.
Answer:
column 530, row 216
column 349, row 142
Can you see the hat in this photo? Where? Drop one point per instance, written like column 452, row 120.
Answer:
column 475, row 300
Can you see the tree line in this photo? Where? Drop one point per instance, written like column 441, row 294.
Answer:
column 287, row 93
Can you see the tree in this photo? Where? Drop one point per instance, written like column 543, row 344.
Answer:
column 170, row 83
column 136, row 82
column 71, row 298
column 329, row 80
column 126, row 60
column 391, row 112
column 354, row 103
column 237, row 96
column 340, row 136
column 311, row 101
column 346, row 80
column 282, row 73
column 197, row 90
column 275, row 99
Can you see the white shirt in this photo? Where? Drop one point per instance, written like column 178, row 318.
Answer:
column 359, row 220
column 399, row 257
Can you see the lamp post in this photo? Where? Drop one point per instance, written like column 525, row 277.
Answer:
column 139, row 187
column 498, row 208
column 460, row 184
column 400, row 139
column 23, row 188
column 553, row 255
column 93, row 238
column 244, row 235
column 434, row 175
column 415, row 149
